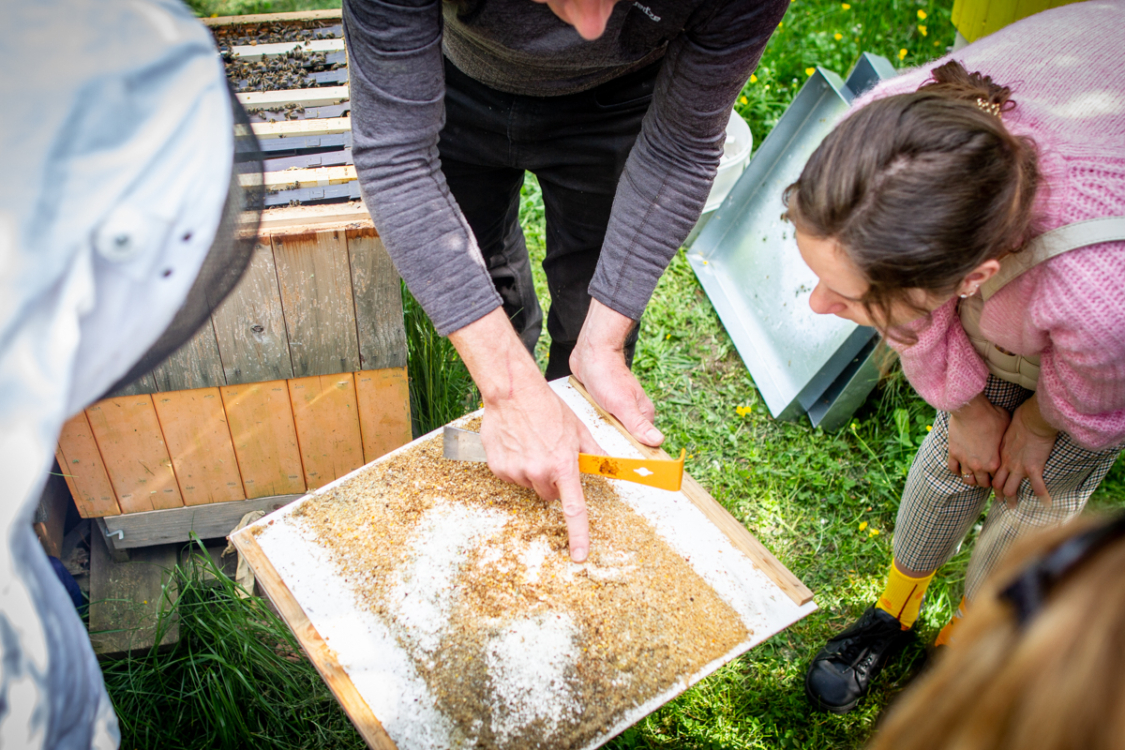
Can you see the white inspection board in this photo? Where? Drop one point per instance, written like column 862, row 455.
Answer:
column 374, row 671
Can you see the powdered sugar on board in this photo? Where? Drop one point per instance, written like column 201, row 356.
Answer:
column 527, row 665
column 423, row 596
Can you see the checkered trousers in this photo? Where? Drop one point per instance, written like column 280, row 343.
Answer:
column 938, row 509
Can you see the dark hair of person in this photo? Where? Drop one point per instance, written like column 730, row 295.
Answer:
column 919, row 189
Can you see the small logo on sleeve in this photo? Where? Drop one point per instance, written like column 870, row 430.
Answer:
column 647, row 11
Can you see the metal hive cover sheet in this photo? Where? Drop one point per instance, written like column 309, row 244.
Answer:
column 747, row 261
column 449, row 599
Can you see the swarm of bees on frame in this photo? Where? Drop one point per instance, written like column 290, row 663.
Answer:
column 297, row 69
column 274, row 33
column 293, row 70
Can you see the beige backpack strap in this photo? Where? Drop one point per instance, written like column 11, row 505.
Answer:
column 1052, row 243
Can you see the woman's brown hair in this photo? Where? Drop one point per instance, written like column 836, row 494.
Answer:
column 1054, row 683
column 919, row 189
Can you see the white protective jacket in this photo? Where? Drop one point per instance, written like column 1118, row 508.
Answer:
column 117, row 143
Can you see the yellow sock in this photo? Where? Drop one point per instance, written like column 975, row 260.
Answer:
column 902, row 598
column 946, row 636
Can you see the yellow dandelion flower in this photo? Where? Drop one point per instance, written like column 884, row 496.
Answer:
column 809, row 71
column 902, row 53
column 921, row 15
column 753, row 78
column 873, row 532
column 845, row 6
column 743, row 410
column 781, row 24
column 929, row 428
column 922, row 29
column 838, row 36
column 863, row 526
column 937, row 43
column 667, row 336
column 744, row 100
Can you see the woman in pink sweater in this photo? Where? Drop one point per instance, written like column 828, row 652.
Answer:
column 935, row 212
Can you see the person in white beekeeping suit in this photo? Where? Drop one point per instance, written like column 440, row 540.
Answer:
column 118, row 212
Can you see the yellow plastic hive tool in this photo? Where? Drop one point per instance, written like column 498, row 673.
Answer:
column 665, row 474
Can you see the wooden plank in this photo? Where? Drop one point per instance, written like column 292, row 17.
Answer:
column 326, row 416
column 136, row 458
column 304, row 219
column 291, row 179
column 250, row 327
column 314, row 278
column 196, row 364
column 195, row 429
column 333, row 14
column 178, row 524
column 260, row 416
column 82, row 467
column 144, row 384
column 50, row 514
column 718, row 515
column 383, row 397
column 312, row 97
column 125, row 597
column 378, row 302
column 322, row 657
column 254, row 52
column 294, row 128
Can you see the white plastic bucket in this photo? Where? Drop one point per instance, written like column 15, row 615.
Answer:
column 736, row 155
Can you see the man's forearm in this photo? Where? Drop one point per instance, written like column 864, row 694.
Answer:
column 604, row 329
column 496, row 358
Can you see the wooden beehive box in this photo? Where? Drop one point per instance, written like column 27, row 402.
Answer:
column 299, row 377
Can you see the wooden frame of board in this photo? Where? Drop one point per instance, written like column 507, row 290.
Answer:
column 327, row 664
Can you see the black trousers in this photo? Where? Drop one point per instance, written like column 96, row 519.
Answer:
column 576, row 145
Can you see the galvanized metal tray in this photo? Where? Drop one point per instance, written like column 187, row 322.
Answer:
column 747, row 261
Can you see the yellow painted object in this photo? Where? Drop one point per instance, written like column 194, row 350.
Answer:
column 979, row 18
column 662, row 474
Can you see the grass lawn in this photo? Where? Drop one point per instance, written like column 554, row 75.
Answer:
column 825, row 503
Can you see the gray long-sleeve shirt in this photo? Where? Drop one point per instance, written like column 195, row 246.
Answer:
column 709, row 47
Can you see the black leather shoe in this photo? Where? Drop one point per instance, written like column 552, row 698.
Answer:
column 841, row 673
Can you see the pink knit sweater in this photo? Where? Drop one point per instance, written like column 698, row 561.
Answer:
column 1066, row 68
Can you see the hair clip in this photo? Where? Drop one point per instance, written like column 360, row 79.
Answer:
column 1030, row 589
column 991, row 108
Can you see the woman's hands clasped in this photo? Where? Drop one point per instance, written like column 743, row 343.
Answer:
column 1027, row 444
column 976, row 431
column 990, row 448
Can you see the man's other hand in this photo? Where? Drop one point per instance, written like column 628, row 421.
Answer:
column 598, row 361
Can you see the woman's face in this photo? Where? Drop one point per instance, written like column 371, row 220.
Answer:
column 842, row 286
